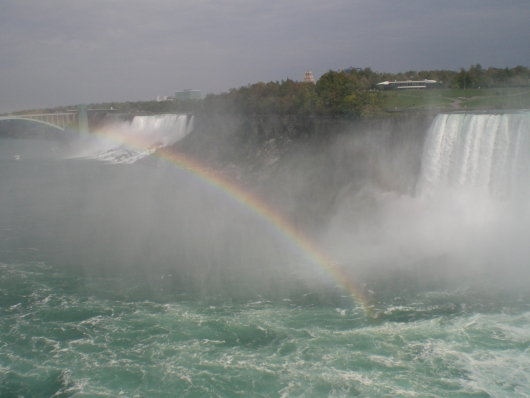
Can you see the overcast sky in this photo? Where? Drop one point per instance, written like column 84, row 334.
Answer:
column 64, row 52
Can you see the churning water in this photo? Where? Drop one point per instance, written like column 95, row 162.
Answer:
column 123, row 142
column 139, row 281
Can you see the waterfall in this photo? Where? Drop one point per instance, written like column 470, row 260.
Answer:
column 128, row 142
column 486, row 153
column 159, row 130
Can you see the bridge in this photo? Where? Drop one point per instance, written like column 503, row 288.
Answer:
column 75, row 119
column 57, row 120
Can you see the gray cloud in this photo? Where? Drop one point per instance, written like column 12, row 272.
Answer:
column 62, row 52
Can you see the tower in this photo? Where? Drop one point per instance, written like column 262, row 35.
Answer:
column 308, row 78
column 82, row 119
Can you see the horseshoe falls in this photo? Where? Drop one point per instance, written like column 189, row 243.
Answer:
column 120, row 279
column 481, row 152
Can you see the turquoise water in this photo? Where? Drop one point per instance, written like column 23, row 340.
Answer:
column 136, row 281
column 63, row 335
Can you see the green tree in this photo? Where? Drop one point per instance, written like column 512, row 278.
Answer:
column 462, row 79
column 335, row 90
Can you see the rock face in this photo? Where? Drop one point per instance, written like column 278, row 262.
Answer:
column 303, row 165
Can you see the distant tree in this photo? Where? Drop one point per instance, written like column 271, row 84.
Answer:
column 462, row 79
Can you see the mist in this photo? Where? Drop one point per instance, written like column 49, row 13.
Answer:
column 464, row 221
column 107, row 207
column 442, row 207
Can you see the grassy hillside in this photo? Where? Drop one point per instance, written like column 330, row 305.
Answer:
column 455, row 99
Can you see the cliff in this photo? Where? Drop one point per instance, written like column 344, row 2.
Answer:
column 303, row 165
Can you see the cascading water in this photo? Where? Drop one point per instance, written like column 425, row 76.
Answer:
column 486, row 153
column 129, row 142
column 475, row 183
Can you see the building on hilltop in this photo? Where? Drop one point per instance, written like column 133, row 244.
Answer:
column 308, row 78
column 408, row 85
column 188, row 94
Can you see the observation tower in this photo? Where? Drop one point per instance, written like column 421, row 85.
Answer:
column 308, row 78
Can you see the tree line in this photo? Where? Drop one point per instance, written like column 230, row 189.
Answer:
column 335, row 93
column 474, row 77
column 345, row 93
column 350, row 92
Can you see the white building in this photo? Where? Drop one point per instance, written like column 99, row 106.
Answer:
column 407, row 84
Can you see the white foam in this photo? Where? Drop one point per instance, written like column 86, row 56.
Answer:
column 131, row 141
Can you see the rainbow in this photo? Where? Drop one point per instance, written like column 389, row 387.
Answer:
column 257, row 205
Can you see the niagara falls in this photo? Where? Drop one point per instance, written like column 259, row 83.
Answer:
column 264, row 199
column 183, row 290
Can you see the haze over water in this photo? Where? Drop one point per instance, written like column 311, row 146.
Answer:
column 122, row 275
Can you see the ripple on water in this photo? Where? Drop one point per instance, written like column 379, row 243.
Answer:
column 65, row 343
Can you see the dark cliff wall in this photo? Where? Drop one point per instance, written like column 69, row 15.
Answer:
column 304, row 165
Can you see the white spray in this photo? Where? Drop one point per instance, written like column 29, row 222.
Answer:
column 470, row 214
column 146, row 133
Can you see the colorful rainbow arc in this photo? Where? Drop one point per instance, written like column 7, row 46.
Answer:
column 258, row 206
